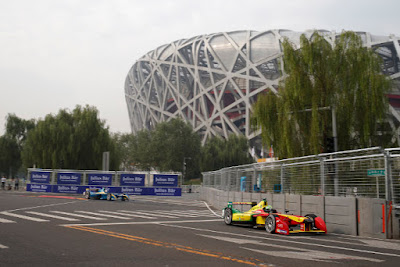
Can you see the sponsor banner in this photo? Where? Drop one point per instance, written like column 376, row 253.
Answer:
column 69, row 178
column 137, row 190
column 39, row 187
column 68, row 189
column 167, row 191
column 80, row 189
column 40, row 177
column 132, row 179
column 165, row 180
column 99, row 178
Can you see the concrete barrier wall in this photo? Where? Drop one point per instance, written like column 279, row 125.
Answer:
column 312, row 205
column 293, row 204
column 371, row 216
column 278, row 202
column 340, row 215
column 396, row 222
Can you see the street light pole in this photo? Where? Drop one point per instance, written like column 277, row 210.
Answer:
column 184, row 168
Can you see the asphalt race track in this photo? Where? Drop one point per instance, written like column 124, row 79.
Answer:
column 64, row 230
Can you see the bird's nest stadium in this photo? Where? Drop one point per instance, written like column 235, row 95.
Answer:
column 212, row 81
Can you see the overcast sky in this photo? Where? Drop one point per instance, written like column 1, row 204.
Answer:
column 56, row 54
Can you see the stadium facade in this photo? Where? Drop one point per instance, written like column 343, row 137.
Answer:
column 212, row 81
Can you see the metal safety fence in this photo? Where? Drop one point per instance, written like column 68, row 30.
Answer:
column 371, row 172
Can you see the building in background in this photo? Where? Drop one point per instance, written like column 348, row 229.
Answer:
column 212, row 81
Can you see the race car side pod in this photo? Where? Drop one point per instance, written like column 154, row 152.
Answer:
column 320, row 224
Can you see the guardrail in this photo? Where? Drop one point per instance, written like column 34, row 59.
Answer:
column 371, row 172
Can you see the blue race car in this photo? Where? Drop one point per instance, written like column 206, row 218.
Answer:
column 101, row 193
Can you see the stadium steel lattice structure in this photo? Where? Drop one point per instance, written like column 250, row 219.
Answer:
column 212, row 80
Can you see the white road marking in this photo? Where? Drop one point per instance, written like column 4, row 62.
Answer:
column 312, row 255
column 148, row 222
column 301, row 253
column 382, row 244
column 5, row 221
column 23, row 217
column 152, row 214
column 102, row 214
column 130, row 214
column 2, row 246
column 53, row 216
column 208, row 207
column 180, row 213
column 287, row 241
column 192, row 212
column 355, row 240
column 29, row 208
column 182, row 203
column 78, row 215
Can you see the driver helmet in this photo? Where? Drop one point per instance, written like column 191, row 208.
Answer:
column 269, row 207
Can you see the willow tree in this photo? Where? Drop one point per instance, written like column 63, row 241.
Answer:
column 218, row 153
column 12, row 143
column 344, row 76
column 73, row 140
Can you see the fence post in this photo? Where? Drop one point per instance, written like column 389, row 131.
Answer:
column 388, row 195
column 237, row 179
column 84, row 178
column 254, row 179
column 282, row 176
column 53, row 177
column 388, row 176
column 322, row 170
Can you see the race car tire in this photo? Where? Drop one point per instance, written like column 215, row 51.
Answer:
column 228, row 216
column 270, row 224
column 87, row 195
column 313, row 216
column 109, row 197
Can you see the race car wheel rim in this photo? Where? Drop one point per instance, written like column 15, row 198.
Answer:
column 270, row 224
column 228, row 216
column 87, row 195
column 109, row 197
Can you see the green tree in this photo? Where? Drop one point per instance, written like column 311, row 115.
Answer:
column 12, row 142
column 219, row 153
column 173, row 141
column 346, row 76
column 74, row 140
column 142, row 151
column 10, row 157
column 124, row 144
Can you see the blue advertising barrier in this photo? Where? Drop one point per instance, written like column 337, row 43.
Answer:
column 39, row 187
column 70, row 178
column 167, row 191
column 165, row 180
column 40, row 177
column 79, row 189
column 69, row 189
column 132, row 179
column 99, row 178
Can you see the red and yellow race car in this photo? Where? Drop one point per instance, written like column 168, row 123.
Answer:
column 263, row 215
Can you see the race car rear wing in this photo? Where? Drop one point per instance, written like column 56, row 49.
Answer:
column 243, row 203
column 252, row 203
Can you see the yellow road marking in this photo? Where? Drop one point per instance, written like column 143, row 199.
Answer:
column 165, row 244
